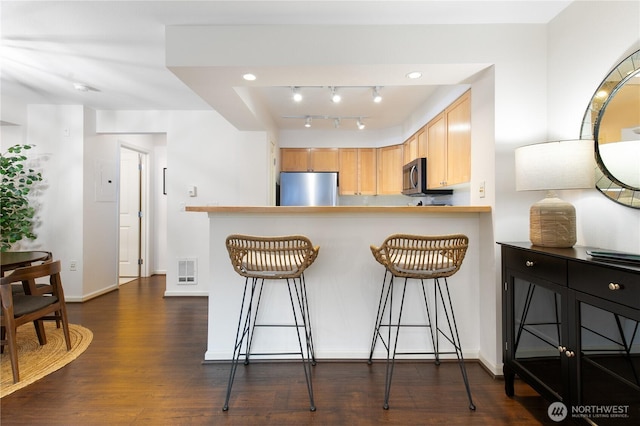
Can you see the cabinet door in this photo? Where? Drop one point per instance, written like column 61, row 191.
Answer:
column 294, row 159
column 367, row 171
column 390, row 161
column 422, row 142
column 348, row 176
column 410, row 149
column 609, row 353
column 436, row 152
column 537, row 336
column 459, row 140
column 325, row 159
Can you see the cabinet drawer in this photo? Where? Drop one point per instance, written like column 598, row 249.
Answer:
column 541, row 266
column 610, row 284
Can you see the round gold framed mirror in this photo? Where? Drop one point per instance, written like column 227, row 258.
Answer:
column 612, row 120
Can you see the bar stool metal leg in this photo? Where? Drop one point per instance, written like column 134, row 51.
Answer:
column 306, row 361
column 454, row 338
column 242, row 332
column 303, row 301
column 382, row 305
column 391, row 362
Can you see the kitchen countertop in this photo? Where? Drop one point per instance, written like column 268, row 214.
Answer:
column 340, row 209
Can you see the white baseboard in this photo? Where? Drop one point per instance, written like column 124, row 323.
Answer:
column 186, row 293
column 90, row 296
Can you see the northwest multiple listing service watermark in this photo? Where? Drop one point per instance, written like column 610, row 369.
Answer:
column 557, row 411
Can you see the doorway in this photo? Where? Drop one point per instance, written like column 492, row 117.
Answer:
column 131, row 227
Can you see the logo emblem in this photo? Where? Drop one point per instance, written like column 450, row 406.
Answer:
column 557, row 411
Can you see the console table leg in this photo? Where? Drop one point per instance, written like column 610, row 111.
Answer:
column 509, row 378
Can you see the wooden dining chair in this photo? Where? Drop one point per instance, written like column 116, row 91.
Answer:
column 19, row 309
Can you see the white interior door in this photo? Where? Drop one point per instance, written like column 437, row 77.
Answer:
column 130, row 208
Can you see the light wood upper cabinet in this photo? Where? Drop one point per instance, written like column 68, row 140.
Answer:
column 422, row 142
column 367, row 163
column 410, row 149
column 437, row 152
column 390, row 162
column 449, row 145
column 294, row 159
column 459, row 140
column 357, row 171
column 324, row 159
column 309, row 159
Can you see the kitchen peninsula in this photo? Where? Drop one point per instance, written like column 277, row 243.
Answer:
column 344, row 282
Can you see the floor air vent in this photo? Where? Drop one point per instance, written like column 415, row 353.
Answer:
column 187, row 271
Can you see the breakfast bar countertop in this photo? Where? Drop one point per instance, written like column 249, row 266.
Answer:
column 339, row 209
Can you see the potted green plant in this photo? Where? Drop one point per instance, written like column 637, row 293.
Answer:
column 17, row 213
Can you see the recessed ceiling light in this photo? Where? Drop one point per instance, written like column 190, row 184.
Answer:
column 249, row 77
column 414, row 74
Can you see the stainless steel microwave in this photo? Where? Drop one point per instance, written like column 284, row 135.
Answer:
column 414, row 177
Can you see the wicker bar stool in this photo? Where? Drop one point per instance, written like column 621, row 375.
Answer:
column 419, row 258
column 272, row 258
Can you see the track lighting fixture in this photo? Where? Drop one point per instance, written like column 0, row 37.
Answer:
column 337, row 119
column 297, row 96
column 376, row 95
column 335, row 96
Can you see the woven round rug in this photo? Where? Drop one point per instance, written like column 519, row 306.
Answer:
column 35, row 361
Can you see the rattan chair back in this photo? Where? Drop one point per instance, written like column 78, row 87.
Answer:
column 271, row 257
column 422, row 256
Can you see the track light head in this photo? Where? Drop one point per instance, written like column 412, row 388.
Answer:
column 376, row 95
column 335, row 96
column 336, row 122
column 297, row 96
column 307, row 122
column 360, row 124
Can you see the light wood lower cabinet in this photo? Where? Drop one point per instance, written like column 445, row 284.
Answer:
column 358, row 171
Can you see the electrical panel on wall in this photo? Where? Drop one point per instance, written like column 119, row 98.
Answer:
column 105, row 181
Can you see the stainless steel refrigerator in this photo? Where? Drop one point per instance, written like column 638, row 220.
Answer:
column 308, row 188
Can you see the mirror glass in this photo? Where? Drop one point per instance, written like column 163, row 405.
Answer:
column 612, row 120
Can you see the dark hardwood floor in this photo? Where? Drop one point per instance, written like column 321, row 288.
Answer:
column 145, row 367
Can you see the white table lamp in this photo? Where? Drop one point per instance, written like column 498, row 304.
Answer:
column 551, row 166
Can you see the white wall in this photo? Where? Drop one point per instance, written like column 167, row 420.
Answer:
column 228, row 167
column 58, row 134
column 578, row 62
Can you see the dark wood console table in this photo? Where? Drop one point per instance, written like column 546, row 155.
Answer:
column 570, row 330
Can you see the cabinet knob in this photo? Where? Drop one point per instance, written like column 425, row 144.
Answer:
column 529, row 263
column 561, row 349
column 614, row 286
column 570, row 354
